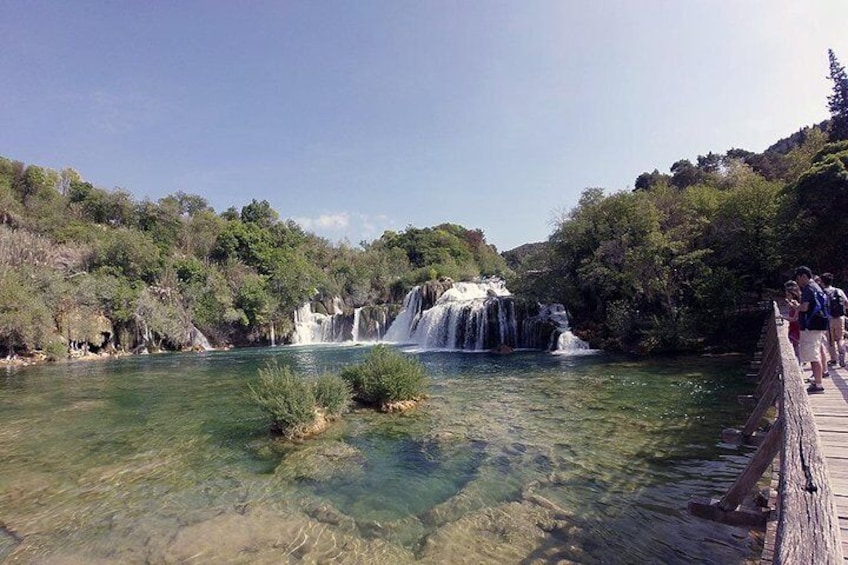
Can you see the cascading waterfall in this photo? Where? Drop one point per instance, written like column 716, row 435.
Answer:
column 469, row 316
column 364, row 324
column 314, row 327
column 561, row 340
column 357, row 315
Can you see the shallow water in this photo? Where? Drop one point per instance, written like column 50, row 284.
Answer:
column 525, row 458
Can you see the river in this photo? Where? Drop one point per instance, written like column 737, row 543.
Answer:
column 522, row 458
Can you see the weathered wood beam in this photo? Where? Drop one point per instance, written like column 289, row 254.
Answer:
column 808, row 524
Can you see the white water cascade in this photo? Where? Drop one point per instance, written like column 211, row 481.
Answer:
column 563, row 342
column 314, row 327
column 473, row 316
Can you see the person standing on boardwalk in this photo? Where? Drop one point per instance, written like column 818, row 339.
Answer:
column 814, row 320
column 837, row 302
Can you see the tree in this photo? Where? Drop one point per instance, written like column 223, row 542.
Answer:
column 25, row 319
column 746, row 231
column 816, row 211
column 837, row 102
column 646, row 181
column 259, row 213
column 685, row 174
column 130, row 252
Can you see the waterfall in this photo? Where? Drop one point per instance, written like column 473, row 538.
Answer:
column 365, row 323
column 569, row 344
column 406, row 322
column 357, row 316
column 198, row 340
column 561, row 340
column 314, row 327
column 470, row 316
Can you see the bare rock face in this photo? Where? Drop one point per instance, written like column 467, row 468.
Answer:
column 432, row 290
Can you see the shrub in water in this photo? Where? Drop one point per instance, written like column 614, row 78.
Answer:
column 286, row 397
column 332, row 393
column 387, row 375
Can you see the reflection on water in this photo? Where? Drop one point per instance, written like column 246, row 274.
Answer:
column 527, row 458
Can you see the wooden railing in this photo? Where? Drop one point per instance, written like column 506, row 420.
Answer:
column 804, row 527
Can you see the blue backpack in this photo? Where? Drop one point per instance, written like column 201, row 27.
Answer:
column 818, row 318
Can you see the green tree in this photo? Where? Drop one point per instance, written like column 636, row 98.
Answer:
column 259, row 213
column 746, row 233
column 26, row 322
column 816, row 212
column 131, row 252
column 837, row 102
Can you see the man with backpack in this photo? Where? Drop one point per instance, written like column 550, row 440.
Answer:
column 814, row 318
column 837, row 302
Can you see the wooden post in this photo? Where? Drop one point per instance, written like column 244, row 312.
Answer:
column 765, row 402
column 727, row 509
column 754, row 470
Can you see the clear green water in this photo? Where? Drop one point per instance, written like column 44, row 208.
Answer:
column 526, row 458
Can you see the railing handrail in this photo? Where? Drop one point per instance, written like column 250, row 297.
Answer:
column 804, row 524
column 807, row 520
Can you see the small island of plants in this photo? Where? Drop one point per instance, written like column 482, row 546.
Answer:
column 300, row 407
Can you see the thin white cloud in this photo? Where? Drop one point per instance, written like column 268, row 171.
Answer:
column 325, row 222
column 348, row 226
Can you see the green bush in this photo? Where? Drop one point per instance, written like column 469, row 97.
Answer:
column 55, row 350
column 286, row 397
column 386, row 375
column 332, row 393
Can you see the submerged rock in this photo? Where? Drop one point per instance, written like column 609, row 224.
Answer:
column 267, row 536
column 321, row 462
column 401, row 405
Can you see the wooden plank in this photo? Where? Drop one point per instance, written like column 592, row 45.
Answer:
column 808, row 525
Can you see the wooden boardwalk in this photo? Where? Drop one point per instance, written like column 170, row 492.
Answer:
column 831, row 415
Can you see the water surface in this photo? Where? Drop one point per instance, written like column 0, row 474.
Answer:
column 525, row 458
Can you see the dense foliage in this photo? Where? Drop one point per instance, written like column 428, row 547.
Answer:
column 669, row 266
column 386, row 375
column 332, row 393
column 82, row 267
column 286, row 397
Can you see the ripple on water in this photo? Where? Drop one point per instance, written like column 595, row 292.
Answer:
column 523, row 458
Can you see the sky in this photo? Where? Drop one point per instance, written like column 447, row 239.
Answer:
column 357, row 117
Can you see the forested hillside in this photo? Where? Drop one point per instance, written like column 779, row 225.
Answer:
column 84, row 267
column 664, row 267
column 667, row 266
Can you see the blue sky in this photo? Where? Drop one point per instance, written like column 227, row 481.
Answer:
column 360, row 116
